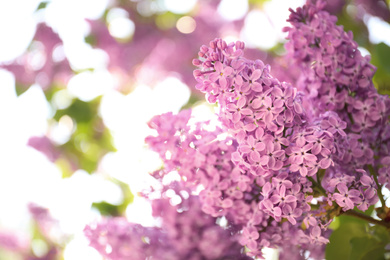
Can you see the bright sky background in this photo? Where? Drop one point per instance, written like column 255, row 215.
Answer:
column 26, row 175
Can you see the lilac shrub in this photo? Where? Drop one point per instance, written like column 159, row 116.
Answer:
column 299, row 156
column 286, row 160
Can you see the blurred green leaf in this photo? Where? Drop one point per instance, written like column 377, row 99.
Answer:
column 108, row 209
column 355, row 239
column 380, row 233
column 80, row 111
column 340, row 247
column 65, row 167
column 90, row 141
column 90, row 39
column 366, row 246
column 166, row 20
column 42, row 5
column 257, row 2
column 375, row 254
column 383, row 52
column 358, row 28
column 191, row 101
column 380, row 57
column 20, row 89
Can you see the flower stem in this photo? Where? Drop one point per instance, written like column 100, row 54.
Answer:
column 366, row 218
column 317, row 185
column 380, row 195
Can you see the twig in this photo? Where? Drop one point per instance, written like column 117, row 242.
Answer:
column 366, row 218
column 380, row 195
column 316, row 184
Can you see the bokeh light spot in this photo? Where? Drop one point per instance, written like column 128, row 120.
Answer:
column 186, row 24
column 58, row 54
column 121, row 28
column 88, row 85
column 233, row 9
column 258, row 31
column 179, row 6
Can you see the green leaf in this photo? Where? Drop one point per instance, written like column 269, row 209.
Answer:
column 339, row 247
column 106, row 209
column 383, row 52
column 344, row 219
column 90, row 141
column 380, row 233
column 375, row 254
column 355, row 239
column 42, row 5
column 191, row 102
column 367, row 245
column 80, row 111
column 381, row 59
column 358, row 28
column 258, row 3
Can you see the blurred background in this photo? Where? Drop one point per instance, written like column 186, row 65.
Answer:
column 80, row 79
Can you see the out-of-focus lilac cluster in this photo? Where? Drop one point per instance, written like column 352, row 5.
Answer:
column 46, row 228
column 185, row 233
column 373, row 7
column 268, row 207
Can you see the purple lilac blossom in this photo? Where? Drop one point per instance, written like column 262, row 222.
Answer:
column 185, row 233
column 378, row 8
column 37, row 64
column 275, row 140
column 336, row 78
column 47, row 229
column 285, row 145
column 45, row 146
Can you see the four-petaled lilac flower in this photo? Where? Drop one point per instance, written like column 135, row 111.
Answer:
column 320, row 140
column 253, row 148
column 272, row 156
column 316, row 237
column 221, row 72
column 268, row 206
column 263, row 98
column 249, row 237
column 238, row 109
column 291, row 213
column 300, row 154
column 334, row 125
column 252, row 80
column 280, row 197
column 282, row 96
column 346, row 198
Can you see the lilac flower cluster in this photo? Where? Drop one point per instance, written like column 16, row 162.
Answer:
column 336, row 77
column 279, row 149
column 285, row 162
column 201, row 159
column 268, row 210
column 294, row 146
column 185, row 233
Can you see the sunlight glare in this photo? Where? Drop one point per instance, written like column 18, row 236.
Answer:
column 232, row 9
